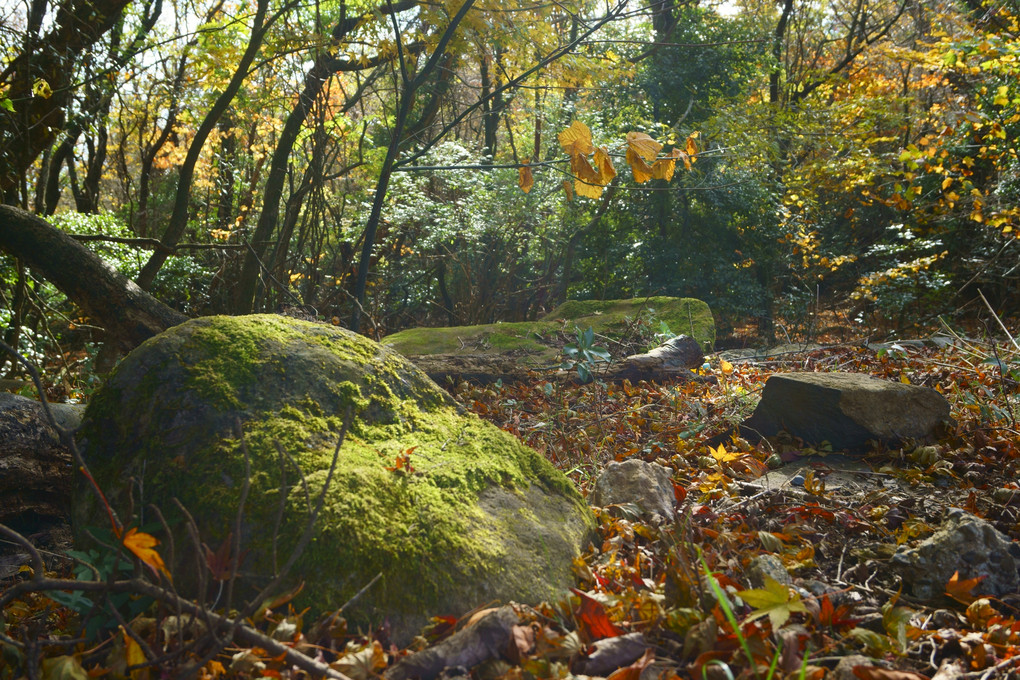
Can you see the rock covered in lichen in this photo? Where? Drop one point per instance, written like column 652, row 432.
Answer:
column 449, row 509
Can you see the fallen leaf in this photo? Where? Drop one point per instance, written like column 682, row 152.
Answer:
column 961, row 590
column 592, row 621
column 633, row 671
column 774, row 600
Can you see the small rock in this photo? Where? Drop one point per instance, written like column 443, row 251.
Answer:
column 965, row 544
column 646, row 485
column 844, row 670
column 768, row 565
column 846, row 410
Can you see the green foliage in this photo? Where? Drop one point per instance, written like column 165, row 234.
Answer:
column 96, row 611
column 583, row 354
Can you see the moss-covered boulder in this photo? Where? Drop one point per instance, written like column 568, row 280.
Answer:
column 539, row 344
column 450, row 510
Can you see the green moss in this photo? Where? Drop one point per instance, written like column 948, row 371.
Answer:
column 533, row 342
column 169, row 415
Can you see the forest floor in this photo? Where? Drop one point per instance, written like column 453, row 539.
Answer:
column 833, row 530
column 679, row 598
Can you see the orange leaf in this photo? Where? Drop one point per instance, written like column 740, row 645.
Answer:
column 592, row 621
column 643, row 145
column 633, row 671
column 576, row 139
column 525, row 180
column 961, row 590
column 568, row 189
column 142, row 545
column 691, row 148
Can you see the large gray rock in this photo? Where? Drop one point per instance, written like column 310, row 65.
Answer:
column 647, row 486
column 965, row 544
column 847, row 410
column 451, row 511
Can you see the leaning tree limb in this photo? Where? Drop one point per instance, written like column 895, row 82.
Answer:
column 129, row 314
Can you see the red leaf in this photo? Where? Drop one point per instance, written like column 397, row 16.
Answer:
column 592, row 621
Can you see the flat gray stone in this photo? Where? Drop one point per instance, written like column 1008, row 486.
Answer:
column 847, row 410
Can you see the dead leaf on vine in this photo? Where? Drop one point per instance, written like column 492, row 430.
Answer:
column 643, row 145
column 576, row 139
column 525, row 180
column 604, row 165
column 642, row 171
column 664, row 167
column 221, row 563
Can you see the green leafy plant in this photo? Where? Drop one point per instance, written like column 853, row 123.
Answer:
column 96, row 612
column 583, row 354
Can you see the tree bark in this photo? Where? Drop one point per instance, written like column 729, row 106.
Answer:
column 37, row 119
column 129, row 314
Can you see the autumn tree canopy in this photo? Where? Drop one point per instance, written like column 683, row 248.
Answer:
column 405, row 163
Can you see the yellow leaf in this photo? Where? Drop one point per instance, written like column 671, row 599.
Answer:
column 582, row 169
column 725, row 366
column 568, row 189
column 664, row 167
column 41, row 88
column 904, row 379
column 946, row 183
column 774, row 600
column 642, row 171
column 142, row 545
column 576, row 139
column 525, row 180
column 722, row 455
column 134, row 656
column 587, row 189
column 691, row 148
column 604, row 166
column 643, row 146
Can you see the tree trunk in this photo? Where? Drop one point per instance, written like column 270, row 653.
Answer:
column 129, row 314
